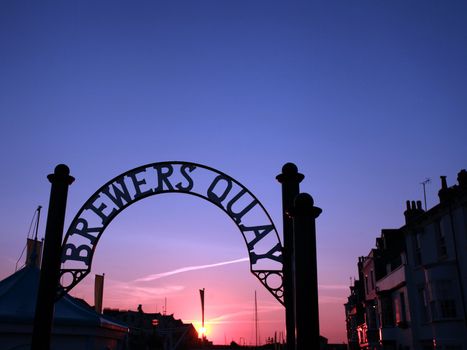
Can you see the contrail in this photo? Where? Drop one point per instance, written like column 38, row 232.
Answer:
column 188, row 268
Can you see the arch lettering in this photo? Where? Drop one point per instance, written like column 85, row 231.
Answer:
column 254, row 223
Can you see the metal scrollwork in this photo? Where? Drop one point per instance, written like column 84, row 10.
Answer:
column 272, row 280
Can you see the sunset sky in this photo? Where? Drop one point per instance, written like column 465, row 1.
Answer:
column 368, row 98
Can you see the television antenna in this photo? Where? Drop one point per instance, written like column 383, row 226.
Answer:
column 424, row 183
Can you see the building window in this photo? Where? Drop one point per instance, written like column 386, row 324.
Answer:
column 397, row 310
column 403, row 308
column 387, row 314
column 434, row 310
column 422, row 299
column 418, row 248
column 372, row 277
column 366, row 285
column 443, row 301
column 448, row 308
column 441, row 240
column 446, row 299
column 371, row 316
column 400, row 311
column 362, row 336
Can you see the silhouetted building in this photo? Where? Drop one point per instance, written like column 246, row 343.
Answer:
column 324, row 345
column 369, row 329
column 354, row 310
column 414, row 282
column 76, row 325
column 155, row 331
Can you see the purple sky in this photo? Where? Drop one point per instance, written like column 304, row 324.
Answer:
column 368, row 98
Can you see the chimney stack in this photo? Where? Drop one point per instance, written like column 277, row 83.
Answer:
column 462, row 179
column 444, row 184
column 414, row 209
column 443, row 193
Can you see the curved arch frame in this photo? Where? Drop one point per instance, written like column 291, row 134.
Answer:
column 124, row 196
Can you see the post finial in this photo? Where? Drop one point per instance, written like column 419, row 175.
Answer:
column 290, row 174
column 61, row 173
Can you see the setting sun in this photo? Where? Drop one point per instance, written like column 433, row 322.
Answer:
column 203, row 331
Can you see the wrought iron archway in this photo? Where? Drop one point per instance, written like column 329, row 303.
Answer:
column 250, row 216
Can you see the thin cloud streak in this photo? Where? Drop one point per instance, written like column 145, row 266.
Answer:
column 188, row 268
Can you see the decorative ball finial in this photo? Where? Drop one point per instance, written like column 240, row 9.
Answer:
column 290, row 174
column 62, row 170
column 61, row 174
column 305, row 205
column 305, row 201
column 289, row 169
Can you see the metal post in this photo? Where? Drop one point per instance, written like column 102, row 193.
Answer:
column 306, row 274
column 50, row 270
column 203, row 330
column 290, row 180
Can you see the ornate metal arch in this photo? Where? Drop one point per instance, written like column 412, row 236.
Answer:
column 250, row 216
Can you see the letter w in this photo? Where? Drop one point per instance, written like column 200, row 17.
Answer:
column 119, row 194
